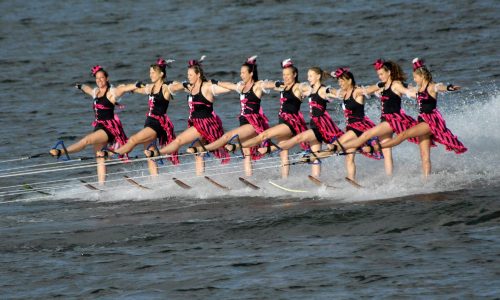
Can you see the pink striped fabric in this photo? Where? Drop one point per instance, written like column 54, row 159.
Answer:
column 260, row 123
column 168, row 127
column 400, row 122
column 115, row 127
column 363, row 125
column 327, row 128
column 297, row 122
column 211, row 130
column 441, row 134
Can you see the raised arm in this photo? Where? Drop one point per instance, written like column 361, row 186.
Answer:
column 177, row 86
column 217, row 89
column 85, row 88
column 330, row 93
column 410, row 92
column 125, row 88
column 371, row 89
column 227, row 85
column 268, row 85
column 305, row 89
column 440, row 87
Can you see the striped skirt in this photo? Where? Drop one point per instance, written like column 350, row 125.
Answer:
column 400, row 122
column 115, row 128
column 211, row 130
column 440, row 133
column 260, row 123
column 168, row 135
column 326, row 128
column 296, row 123
column 360, row 126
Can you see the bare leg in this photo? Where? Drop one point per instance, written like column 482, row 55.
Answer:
column 278, row 131
column 388, row 163
column 346, row 137
column 285, row 167
column 418, row 130
column 350, row 166
column 306, row 136
column 144, row 136
column 247, row 164
column 316, row 167
column 97, row 137
column 187, row 136
column 199, row 164
column 152, row 165
column 425, row 154
column 380, row 130
column 244, row 132
column 101, row 166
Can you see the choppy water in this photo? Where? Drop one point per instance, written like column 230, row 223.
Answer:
column 396, row 238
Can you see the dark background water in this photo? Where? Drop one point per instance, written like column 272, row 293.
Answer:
column 438, row 239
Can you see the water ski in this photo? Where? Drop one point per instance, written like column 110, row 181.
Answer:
column 287, row 189
column 318, row 182
column 217, row 184
column 248, row 183
column 182, row 184
column 354, row 183
column 90, row 186
column 30, row 188
column 135, row 183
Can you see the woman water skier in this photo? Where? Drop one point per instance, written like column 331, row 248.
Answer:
column 291, row 120
column 203, row 124
column 353, row 105
column 393, row 118
column 108, row 128
column 431, row 125
column 322, row 128
column 158, row 124
column 252, row 118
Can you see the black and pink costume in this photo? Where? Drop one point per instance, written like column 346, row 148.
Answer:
column 429, row 114
column 393, row 114
column 325, row 130
column 158, row 120
column 356, row 120
column 207, row 123
column 252, row 113
column 107, row 120
column 290, row 114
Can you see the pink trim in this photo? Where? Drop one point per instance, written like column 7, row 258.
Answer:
column 211, row 130
column 441, row 134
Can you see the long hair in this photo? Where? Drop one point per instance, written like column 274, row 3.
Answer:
column 198, row 70
column 323, row 74
column 397, row 72
column 252, row 68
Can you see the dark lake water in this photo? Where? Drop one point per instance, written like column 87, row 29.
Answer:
column 396, row 238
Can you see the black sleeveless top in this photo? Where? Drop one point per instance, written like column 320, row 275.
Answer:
column 103, row 108
column 249, row 102
column 199, row 106
column 317, row 105
column 391, row 102
column 353, row 111
column 289, row 102
column 426, row 103
column 158, row 105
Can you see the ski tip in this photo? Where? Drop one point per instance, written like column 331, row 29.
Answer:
column 248, row 183
column 182, row 184
column 354, row 183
